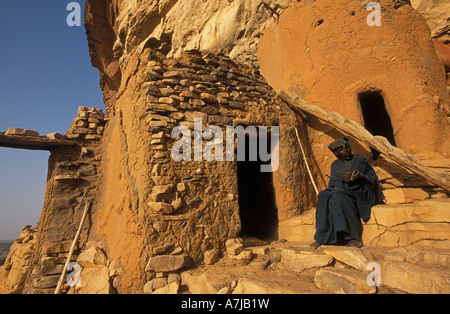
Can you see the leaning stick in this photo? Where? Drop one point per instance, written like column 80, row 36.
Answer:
column 72, row 248
column 306, row 162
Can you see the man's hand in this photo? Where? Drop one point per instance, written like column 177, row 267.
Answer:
column 346, row 176
column 356, row 175
column 353, row 176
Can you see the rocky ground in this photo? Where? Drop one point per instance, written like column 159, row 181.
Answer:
column 287, row 267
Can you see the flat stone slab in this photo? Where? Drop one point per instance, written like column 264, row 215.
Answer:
column 424, row 222
column 32, row 142
column 343, row 281
column 353, row 257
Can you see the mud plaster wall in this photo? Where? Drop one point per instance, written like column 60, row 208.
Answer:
column 327, row 54
column 73, row 177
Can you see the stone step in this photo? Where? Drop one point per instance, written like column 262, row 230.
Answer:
column 425, row 222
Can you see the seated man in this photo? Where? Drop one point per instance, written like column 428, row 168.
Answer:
column 352, row 191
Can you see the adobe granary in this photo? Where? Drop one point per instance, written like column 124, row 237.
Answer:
column 166, row 225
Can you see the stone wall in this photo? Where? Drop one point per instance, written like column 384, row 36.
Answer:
column 74, row 172
column 186, row 208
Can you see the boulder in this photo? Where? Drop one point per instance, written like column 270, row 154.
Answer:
column 94, row 280
column 171, row 288
column 208, row 282
column 393, row 225
column 404, row 195
column 56, row 136
column 91, row 257
column 262, row 286
column 234, row 246
column 414, row 278
column 299, row 261
column 299, row 228
column 211, row 256
column 343, row 281
column 168, row 263
column 351, row 256
column 161, row 207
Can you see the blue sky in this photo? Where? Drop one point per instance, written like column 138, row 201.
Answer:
column 45, row 74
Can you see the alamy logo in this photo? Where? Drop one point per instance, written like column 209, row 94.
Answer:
column 74, row 277
column 74, row 17
column 374, row 278
column 213, row 150
column 374, row 17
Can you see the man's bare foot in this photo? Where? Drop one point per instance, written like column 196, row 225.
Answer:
column 315, row 245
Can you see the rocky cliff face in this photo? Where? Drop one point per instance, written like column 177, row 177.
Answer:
column 154, row 219
column 116, row 28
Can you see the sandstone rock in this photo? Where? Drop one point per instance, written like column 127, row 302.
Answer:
column 161, row 207
column 260, row 250
column 211, row 99
column 155, row 284
column 188, row 94
column 261, row 286
column 91, row 257
column 211, row 256
column 78, row 130
column 161, row 107
column 404, row 195
column 415, row 279
column 167, row 100
column 234, row 246
column 46, row 282
column 206, row 282
column 168, row 263
column 50, row 265
column 299, row 261
column 174, row 277
column 393, row 225
column 171, row 288
column 56, row 136
column 162, row 189
column 13, row 273
column 343, row 281
column 426, row 257
column 351, row 256
column 181, row 187
column 435, row 14
column 299, row 229
column 245, row 255
column 58, row 247
column 94, row 280
column 163, row 248
column 22, row 132
column 191, row 115
column 115, row 269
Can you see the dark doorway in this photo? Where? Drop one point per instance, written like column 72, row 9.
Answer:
column 258, row 212
column 376, row 118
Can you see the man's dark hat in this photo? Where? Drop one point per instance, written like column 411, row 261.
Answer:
column 339, row 142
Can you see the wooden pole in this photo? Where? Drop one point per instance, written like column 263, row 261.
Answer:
column 380, row 143
column 72, row 248
column 306, row 162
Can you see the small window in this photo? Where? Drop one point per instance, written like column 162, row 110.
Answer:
column 376, row 117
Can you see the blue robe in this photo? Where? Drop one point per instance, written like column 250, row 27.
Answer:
column 341, row 207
